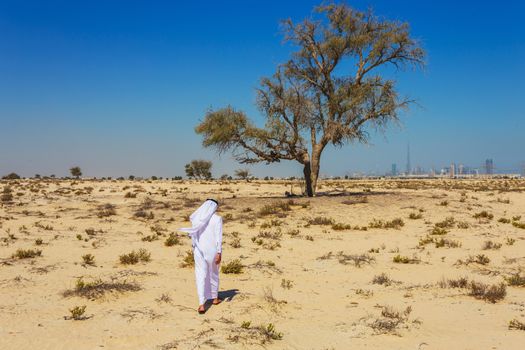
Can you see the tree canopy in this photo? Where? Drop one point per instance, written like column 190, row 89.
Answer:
column 332, row 91
column 198, row 169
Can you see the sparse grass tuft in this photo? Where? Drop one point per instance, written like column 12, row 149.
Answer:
column 88, row 259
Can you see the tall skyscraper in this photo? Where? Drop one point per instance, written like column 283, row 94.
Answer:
column 489, row 166
column 394, row 169
column 409, row 167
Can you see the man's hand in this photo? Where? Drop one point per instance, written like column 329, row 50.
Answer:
column 218, row 258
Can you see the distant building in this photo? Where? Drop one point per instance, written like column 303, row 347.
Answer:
column 419, row 170
column 409, row 167
column 452, row 172
column 394, row 169
column 489, row 167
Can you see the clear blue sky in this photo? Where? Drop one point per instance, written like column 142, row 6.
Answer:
column 116, row 87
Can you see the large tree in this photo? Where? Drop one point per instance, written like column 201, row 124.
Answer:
column 199, row 169
column 333, row 90
column 76, row 171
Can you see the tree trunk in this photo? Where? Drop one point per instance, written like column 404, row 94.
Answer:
column 310, row 190
column 311, row 172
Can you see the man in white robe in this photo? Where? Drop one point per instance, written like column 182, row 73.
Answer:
column 206, row 239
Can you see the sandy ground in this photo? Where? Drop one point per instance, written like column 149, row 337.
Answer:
column 311, row 280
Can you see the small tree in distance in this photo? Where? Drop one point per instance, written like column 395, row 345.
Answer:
column 199, row 169
column 243, row 174
column 76, row 172
column 11, row 176
column 332, row 91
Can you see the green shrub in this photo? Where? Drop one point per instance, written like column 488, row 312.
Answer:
column 233, row 267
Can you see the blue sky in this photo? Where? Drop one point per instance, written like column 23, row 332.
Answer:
column 117, row 87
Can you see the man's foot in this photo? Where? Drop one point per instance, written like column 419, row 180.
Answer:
column 216, row 301
column 201, row 309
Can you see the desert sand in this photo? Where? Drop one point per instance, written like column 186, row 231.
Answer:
column 378, row 264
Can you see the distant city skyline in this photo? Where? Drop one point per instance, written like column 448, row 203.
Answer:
column 119, row 91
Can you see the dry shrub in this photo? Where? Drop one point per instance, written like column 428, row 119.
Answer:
column 518, row 325
column 447, row 223
column 356, row 259
column 447, row 243
column 105, row 210
column 395, row 224
column 233, row 267
column 382, row 279
column 491, row 245
column 490, row 293
column 26, row 253
column 260, row 335
column 483, row 215
column 399, row 259
column 278, row 208
column 172, row 240
column 188, row 260
column 415, row 216
column 320, row 220
column 390, row 320
column 236, row 243
column 135, row 256
column 515, row 280
column 98, row 288
column 88, row 259
column 77, row 313
column 461, row 282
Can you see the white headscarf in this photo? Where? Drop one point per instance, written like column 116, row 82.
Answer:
column 200, row 218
